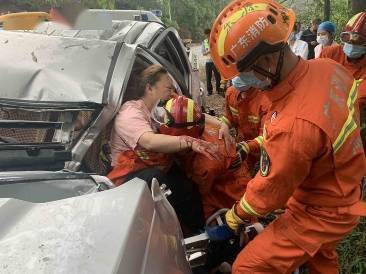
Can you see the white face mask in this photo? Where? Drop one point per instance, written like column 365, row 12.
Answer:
column 322, row 40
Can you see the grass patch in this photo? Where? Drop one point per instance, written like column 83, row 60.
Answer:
column 352, row 251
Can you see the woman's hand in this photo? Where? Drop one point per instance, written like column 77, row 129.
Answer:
column 208, row 149
column 224, row 133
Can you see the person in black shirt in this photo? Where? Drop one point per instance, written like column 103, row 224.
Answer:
column 310, row 35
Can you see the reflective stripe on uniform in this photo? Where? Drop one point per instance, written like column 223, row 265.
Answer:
column 206, row 44
column 168, row 107
column 226, row 121
column 228, row 24
column 234, row 111
column 259, row 140
column 142, row 155
column 247, row 208
column 169, row 104
column 245, row 147
column 190, row 109
column 253, row 119
column 350, row 125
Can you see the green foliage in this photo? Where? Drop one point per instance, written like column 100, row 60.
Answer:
column 352, row 251
column 101, row 4
column 340, row 12
column 190, row 16
column 196, row 15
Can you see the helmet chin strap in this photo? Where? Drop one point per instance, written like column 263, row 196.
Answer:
column 275, row 77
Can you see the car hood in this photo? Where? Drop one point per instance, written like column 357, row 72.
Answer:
column 121, row 230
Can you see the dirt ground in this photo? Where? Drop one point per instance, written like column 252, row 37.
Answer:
column 215, row 101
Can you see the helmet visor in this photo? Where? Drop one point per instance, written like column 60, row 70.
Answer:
column 353, row 38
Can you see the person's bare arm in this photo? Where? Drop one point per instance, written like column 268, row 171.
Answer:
column 171, row 144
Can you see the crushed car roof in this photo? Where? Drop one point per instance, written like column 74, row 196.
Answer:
column 56, row 69
column 127, row 31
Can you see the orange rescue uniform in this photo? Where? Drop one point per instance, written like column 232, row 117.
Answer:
column 219, row 186
column 357, row 69
column 312, row 160
column 245, row 111
column 135, row 160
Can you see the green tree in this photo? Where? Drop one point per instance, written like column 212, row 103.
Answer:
column 358, row 6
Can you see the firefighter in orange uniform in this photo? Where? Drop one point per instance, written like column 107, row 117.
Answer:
column 221, row 183
column 245, row 109
column 352, row 55
column 312, row 159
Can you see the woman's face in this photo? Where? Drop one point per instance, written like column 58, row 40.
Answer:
column 162, row 89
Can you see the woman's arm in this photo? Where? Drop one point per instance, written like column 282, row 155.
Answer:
column 171, row 144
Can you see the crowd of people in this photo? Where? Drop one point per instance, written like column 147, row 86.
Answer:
column 289, row 138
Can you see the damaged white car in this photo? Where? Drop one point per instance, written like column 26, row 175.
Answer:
column 58, row 214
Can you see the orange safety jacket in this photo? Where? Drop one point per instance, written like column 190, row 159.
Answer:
column 134, row 160
column 357, row 69
column 245, row 111
column 312, row 150
column 219, row 186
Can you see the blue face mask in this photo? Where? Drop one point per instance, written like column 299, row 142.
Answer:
column 354, row 51
column 239, row 84
column 252, row 81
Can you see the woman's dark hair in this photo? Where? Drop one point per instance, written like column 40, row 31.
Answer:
column 149, row 76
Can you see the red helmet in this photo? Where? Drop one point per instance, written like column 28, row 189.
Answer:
column 355, row 30
column 182, row 116
column 247, row 29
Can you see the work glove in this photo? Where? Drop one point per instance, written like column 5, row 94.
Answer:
column 242, row 151
column 233, row 221
column 246, row 231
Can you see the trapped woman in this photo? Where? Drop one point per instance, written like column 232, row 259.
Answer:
column 138, row 150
